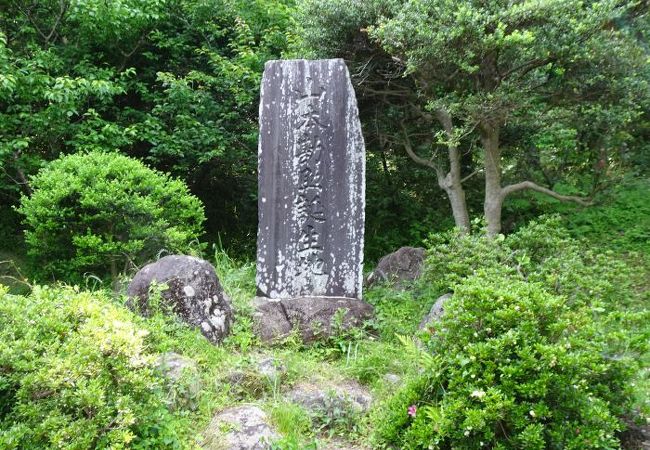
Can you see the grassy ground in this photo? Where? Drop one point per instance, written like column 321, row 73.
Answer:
column 361, row 356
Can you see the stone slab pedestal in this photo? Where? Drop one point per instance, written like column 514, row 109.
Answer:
column 313, row 317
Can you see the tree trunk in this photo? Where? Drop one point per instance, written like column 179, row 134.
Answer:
column 459, row 208
column 493, row 195
column 453, row 184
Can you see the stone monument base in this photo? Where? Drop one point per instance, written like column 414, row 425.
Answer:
column 313, row 317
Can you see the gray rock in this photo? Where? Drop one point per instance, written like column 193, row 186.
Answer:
column 239, row 428
column 182, row 379
column 193, row 292
column 328, row 398
column 173, row 366
column 392, row 379
column 311, row 182
column 436, row 312
column 313, row 317
column 271, row 368
column 400, row 267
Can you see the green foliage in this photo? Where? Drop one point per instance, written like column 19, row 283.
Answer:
column 531, row 351
column 172, row 82
column 582, row 274
column 337, row 416
column 77, row 372
column 292, row 421
column 621, row 222
column 103, row 213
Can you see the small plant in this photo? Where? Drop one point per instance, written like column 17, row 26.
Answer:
column 104, row 213
column 292, row 421
column 338, row 415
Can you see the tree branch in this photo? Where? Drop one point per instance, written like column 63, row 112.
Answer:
column 63, row 5
column 527, row 66
column 21, row 175
column 507, row 190
column 471, row 175
column 414, row 156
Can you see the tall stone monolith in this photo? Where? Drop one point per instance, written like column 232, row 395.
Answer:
column 311, row 182
column 311, row 193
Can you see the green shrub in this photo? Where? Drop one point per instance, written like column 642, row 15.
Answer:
column 543, row 252
column 513, row 366
column 101, row 212
column 535, row 349
column 76, row 373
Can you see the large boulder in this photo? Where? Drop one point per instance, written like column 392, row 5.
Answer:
column 400, row 267
column 243, row 427
column 193, row 292
column 436, row 312
column 314, row 317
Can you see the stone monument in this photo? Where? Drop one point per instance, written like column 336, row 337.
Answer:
column 311, row 189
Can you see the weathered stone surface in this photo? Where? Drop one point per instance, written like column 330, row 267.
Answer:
column 436, row 312
column 324, row 399
column 173, row 366
column 271, row 368
column 177, row 369
column 239, row 428
column 311, row 182
column 399, row 267
column 313, row 317
column 393, row 379
column 194, row 293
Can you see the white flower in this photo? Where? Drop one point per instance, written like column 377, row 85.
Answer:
column 466, row 433
column 479, row 393
column 532, row 413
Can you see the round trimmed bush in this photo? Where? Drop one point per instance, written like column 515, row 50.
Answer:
column 101, row 213
column 533, row 350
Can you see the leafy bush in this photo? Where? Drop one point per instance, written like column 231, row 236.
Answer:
column 76, row 372
column 531, row 351
column 99, row 212
column 513, row 366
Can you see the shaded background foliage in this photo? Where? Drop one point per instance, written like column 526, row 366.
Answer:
column 172, row 82
column 175, row 83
